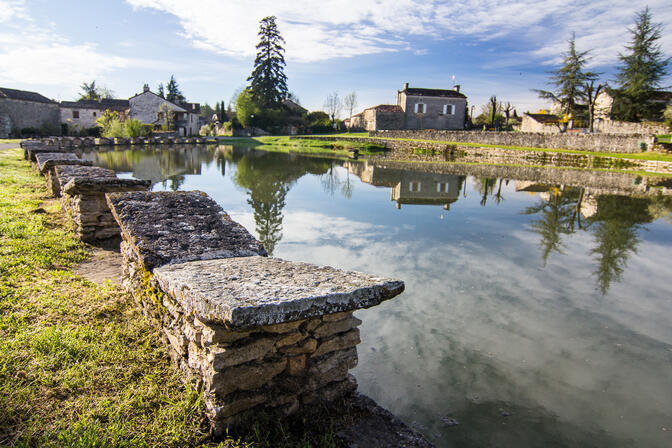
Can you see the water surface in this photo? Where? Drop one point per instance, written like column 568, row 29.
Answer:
column 534, row 315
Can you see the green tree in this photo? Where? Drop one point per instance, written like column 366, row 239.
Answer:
column 89, row 92
column 642, row 69
column 569, row 81
column 247, row 108
column 161, row 93
column 174, row 94
column 268, row 82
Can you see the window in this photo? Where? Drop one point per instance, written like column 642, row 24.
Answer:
column 75, row 114
column 414, row 186
column 420, row 108
column 449, row 109
column 442, row 187
column 94, row 114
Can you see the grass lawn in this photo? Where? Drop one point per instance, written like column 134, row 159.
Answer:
column 9, row 140
column 317, row 146
column 79, row 365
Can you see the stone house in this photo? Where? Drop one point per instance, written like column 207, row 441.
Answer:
column 83, row 114
column 417, row 108
column 603, row 122
column 544, row 123
column 20, row 109
column 146, row 107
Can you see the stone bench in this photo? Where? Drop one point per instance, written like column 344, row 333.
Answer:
column 262, row 334
column 29, row 152
column 45, row 162
column 83, row 198
column 62, row 174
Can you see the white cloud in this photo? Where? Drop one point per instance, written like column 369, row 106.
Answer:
column 33, row 53
column 358, row 27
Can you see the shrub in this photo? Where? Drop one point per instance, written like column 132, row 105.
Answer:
column 147, row 129
column 205, row 130
column 133, row 128
column 29, row 131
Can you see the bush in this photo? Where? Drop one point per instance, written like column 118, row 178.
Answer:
column 319, row 122
column 27, row 132
column 133, row 128
column 205, row 130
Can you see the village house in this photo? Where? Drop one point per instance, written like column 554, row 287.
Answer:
column 82, row 114
column 21, row 109
column 416, row 108
column 146, row 107
column 540, row 122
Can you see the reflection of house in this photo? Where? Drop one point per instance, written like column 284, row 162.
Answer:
column 146, row 107
column 20, row 109
column 84, row 113
column 427, row 189
column 416, row 108
column 410, row 187
column 546, row 123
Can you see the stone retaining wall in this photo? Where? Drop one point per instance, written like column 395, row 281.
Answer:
column 617, row 143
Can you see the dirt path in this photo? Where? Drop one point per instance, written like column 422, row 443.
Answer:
column 102, row 265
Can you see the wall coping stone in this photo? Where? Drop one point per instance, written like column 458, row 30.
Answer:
column 47, row 160
column 66, row 173
column 176, row 227
column 249, row 292
column 30, row 152
column 83, row 185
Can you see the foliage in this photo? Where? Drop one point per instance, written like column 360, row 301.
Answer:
column 167, row 114
column 491, row 113
column 268, row 82
column 247, row 109
column 641, row 72
column 318, row 122
column 569, row 81
column 110, row 124
column 94, row 93
column 174, row 94
column 667, row 115
column 161, row 91
column 133, row 128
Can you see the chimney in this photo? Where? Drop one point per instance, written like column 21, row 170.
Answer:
column 145, row 88
column 405, row 86
column 456, row 87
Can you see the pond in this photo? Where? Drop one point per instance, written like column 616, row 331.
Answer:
column 534, row 314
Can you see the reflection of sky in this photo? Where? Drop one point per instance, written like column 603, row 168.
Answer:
column 520, row 354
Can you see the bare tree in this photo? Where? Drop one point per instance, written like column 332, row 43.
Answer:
column 507, row 108
column 591, row 92
column 333, row 105
column 350, row 103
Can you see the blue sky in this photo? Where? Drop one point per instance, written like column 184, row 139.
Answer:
column 490, row 47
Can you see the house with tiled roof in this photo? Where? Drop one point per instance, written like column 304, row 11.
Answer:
column 417, row 108
column 146, row 107
column 22, row 109
column 540, row 122
column 83, row 114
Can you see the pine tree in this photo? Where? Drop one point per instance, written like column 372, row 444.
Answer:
column 174, row 94
column 569, row 80
column 642, row 69
column 268, row 81
column 161, row 93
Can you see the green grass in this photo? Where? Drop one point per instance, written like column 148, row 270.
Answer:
column 79, row 364
column 316, row 146
column 664, row 138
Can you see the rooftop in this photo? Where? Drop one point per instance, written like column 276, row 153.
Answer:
column 107, row 103
column 24, row 95
column 544, row 118
column 443, row 93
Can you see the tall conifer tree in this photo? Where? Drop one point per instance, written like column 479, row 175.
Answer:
column 268, row 82
column 642, row 69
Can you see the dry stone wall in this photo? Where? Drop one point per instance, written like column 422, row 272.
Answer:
column 617, row 143
column 262, row 335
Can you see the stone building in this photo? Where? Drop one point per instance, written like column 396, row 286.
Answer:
column 146, row 107
column 544, row 123
column 83, row 114
column 416, row 108
column 21, row 109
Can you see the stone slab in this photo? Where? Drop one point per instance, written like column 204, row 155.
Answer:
column 180, row 226
column 83, row 185
column 48, row 160
column 30, row 152
column 250, row 292
column 66, row 173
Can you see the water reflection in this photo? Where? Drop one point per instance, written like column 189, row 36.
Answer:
column 537, row 311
